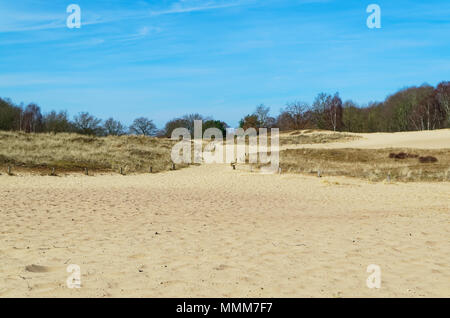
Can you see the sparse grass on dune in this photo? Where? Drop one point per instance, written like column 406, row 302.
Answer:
column 314, row 137
column 371, row 164
column 74, row 152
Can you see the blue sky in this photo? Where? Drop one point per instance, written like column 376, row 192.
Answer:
column 162, row 59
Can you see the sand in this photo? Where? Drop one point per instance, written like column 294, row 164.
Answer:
column 210, row 231
column 433, row 139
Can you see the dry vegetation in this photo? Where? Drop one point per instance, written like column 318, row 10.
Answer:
column 371, row 164
column 314, row 137
column 73, row 152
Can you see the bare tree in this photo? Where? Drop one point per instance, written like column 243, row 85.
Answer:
column 443, row 97
column 57, row 122
column 262, row 114
column 32, row 119
column 113, row 127
column 334, row 111
column 320, row 106
column 173, row 124
column 87, row 124
column 328, row 111
column 429, row 114
column 143, row 126
column 295, row 114
column 189, row 120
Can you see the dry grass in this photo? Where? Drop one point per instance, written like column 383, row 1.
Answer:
column 314, row 137
column 371, row 164
column 73, row 152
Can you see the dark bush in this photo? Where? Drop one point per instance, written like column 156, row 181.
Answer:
column 402, row 155
column 428, row 159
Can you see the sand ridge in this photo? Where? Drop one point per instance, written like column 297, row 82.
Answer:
column 432, row 139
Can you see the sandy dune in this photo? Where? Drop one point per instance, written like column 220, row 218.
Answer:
column 210, row 231
column 434, row 139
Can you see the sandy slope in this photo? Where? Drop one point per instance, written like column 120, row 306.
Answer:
column 211, row 231
column 435, row 139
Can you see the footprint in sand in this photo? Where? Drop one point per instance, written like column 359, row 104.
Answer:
column 138, row 256
column 222, row 267
column 38, row 268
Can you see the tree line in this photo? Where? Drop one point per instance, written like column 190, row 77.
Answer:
column 30, row 119
column 414, row 108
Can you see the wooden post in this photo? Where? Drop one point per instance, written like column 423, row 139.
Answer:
column 121, row 170
column 86, row 171
column 173, row 166
column 9, row 170
column 151, row 169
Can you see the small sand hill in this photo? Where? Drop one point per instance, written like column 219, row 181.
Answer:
column 434, row 139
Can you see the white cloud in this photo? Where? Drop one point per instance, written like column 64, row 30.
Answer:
column 21, row 21
column 184, row 6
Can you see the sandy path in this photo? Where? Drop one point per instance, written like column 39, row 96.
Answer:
column 211, row 231
column 434, row 139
